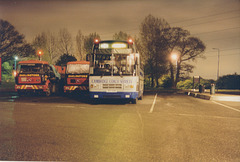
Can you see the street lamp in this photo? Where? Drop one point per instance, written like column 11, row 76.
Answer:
column 39, row 53
column 15, row 62
column 174, row 56
column 218, row 61
column 15, row 66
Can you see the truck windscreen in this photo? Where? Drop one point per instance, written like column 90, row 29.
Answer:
column 77, row 69
column 31, row 68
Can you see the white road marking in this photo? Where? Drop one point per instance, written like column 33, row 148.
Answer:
column 206, row 116
column 31, row 104
column 142, row 124
column 226, row 98
column 169, row 104
column 154, row 101
column 64, row 106
column 70, row 106
column 229, row 107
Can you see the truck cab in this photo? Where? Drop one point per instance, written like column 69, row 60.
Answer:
column 36, row 76
column 77, row 77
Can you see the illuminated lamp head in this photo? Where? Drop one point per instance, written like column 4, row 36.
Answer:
column 130, row 41
column 14, row 73
column 40, row 52
column 96, row 41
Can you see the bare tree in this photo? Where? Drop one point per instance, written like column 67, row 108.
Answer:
column 121, row 36
column 47, row 42
column 80, row 45
column 88, row 42
column 65, row 44
column 51, row 47
column 40, row 40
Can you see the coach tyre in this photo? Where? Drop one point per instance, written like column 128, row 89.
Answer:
column 141, row 97
column 134, row 101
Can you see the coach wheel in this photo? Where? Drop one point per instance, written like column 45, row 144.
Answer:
column 141, row 97
column 134, row 101
column 95, row 101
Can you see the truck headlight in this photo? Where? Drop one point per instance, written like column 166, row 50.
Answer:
column 67, row 88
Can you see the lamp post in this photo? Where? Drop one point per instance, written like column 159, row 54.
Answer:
column 174, row 57
column 15, row 62
column 218, row 61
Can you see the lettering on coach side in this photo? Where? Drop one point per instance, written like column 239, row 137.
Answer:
column 126, row 81
column 114, row 81
column 99, row 81
column 111, row 81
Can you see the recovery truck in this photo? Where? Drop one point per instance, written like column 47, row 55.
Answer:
column 77, row 77
column 36, row 76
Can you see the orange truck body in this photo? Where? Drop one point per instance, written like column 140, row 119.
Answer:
column 61, row 69
column 32, row 76
column 77, row 76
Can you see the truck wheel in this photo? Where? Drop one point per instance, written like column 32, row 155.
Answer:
column 54, row 88
column 19, row 93
column 49, row 90
column 66, row 94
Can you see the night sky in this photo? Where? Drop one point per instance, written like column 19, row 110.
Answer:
column 215, row 22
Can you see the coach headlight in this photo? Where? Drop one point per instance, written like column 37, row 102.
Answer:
column 95, row 86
